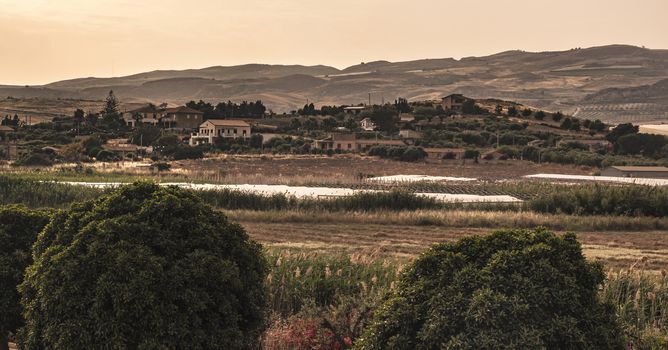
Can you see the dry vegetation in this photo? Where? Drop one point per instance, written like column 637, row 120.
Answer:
column 359, row 232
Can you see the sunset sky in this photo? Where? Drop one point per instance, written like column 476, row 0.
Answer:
column 43, row 41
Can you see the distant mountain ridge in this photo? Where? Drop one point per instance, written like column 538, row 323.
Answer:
column 555, row 80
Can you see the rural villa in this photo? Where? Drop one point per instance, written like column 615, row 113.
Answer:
column 213, row 128
column 179, row 118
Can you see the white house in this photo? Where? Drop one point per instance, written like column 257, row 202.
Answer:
column 213, row 128
column 367, row 124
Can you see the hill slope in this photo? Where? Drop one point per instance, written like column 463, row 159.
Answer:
column 551, row 80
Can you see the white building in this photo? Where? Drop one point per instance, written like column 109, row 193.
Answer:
column 367, row 124
column 213, row 128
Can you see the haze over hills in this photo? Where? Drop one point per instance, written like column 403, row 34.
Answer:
column 614, row 83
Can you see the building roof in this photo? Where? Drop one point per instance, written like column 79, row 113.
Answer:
column 227, row 122
column 381, row 142
column 406, row 117
column 442, row 149
column 641, row 168
column 354, row 108
column 123, row 147
column 6, row 128
column 182, row 110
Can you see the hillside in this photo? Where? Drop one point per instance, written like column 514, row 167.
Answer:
column 575, row 80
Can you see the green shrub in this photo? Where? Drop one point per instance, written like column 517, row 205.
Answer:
column 509, row 290
column 35, row 159
column 143, row 267
column 629, row 200
column 18, row 230
column 187, row 152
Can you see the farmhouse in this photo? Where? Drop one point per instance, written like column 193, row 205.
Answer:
column 651, row 172
column 354, row 109
column 214, row 128
column 148, row 114
column 453, row 102
column 350, row 143
column 181, row 118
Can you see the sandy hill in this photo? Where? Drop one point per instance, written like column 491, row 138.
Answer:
column 578, row 80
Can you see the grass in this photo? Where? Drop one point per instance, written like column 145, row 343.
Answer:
column 457, row 218
column 306, row 284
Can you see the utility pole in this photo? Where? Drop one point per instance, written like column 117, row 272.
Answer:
column 369, row 99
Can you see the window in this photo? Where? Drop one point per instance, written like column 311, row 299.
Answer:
column 235, row 131
column 244, row 132
column 350, row 146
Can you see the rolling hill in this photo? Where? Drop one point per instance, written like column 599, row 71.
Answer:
column 573, row 80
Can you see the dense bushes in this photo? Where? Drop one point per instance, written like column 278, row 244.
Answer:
column 509, row 290
column 37, row 194
column 143, row 267
column 631, row 200
column 405, row 154
column 35, row 159
column 18, row 230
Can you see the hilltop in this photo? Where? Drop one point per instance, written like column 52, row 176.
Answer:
column 578, row 80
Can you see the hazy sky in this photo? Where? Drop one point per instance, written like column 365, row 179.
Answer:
column 47, row 40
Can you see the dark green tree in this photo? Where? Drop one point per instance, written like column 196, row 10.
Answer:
column 145, row 135
column 18, row 231
column 78, row 118
column 512, row 111
column 295, row 124
column 329, row 124
column 498, row 109
column 540, row 115
column 144, row 267
column 621, row 130
column 310, row 124
column 255, row 141
column 385, row 117
column 351, row 124
column 509, row 290
column 597, row 126
column 111, row 116
column 557, row 116
column 566, row 124
column 402, row 105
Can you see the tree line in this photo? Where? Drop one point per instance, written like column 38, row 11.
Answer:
column 229, row 109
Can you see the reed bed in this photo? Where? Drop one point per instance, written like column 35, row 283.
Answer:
column 458, row 218
column 316, row 284
column 301, row 278
column 641, row 300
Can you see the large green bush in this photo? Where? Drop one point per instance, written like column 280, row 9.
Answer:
column 509, row 290
column 144, row 267
column 18, row 230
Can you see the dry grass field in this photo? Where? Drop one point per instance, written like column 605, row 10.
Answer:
column 618, row 250
column 283, row 169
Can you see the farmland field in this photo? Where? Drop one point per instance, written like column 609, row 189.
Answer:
column 636, row 113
